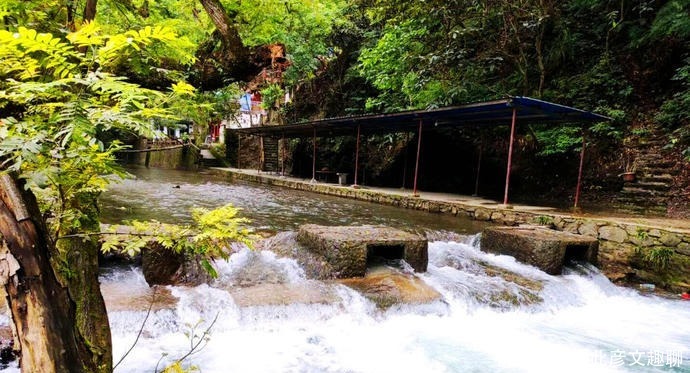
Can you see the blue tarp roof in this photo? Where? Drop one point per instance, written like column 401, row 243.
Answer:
column 496, row 112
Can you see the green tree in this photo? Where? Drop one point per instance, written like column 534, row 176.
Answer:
column 58, row 100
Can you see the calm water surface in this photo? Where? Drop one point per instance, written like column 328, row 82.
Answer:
column 168, row 196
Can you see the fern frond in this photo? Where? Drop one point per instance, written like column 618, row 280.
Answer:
column 89, row 35
column 25, row 52
column 121, row 45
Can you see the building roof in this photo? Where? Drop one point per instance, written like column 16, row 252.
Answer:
column 496, row 112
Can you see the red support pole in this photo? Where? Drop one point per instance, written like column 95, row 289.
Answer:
column 510, row 155
column 416, row 167
column 313, row 161
column 357, row 157
column 579, row 172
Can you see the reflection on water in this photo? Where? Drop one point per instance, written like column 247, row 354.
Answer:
column 168, row 196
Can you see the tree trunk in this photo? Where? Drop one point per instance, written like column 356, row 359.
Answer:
column 90, row 10
column 233, row 56
column 223, row 22
column 45, row 314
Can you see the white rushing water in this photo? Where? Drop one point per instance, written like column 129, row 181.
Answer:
column 584, row 324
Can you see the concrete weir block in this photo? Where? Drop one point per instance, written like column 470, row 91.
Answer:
column 543, row 248
column 349, row 249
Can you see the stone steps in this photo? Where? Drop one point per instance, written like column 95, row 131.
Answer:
column 650, row 193
column 656, row 178
column 631, row 207
column 208, row 160
column 634, row 191
column 648, row 185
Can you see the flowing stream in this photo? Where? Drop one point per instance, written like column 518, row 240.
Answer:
column 584, row 323
column 263, row 315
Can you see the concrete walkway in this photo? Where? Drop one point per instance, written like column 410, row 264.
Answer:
column 467, row 202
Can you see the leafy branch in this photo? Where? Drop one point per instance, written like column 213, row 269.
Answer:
column 209, row 237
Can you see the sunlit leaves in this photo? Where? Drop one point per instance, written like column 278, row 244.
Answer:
column 303, row 26
column 124, row 45
column 183, row 89
column 208, row 238
column 63, row 101
column 89, row 35
column 26, row 53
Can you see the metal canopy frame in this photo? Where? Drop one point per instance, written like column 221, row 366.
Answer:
column 497, row 112
column 507, row 111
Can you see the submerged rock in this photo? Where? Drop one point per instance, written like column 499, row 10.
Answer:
column 525, row 292
column 386, row 286
column 8, row 353
column 165, row 267
column 121, row 298
column 308, row 292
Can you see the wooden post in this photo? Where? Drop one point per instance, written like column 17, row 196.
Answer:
column 261, row 155
column 416, row 167
column 510, row 156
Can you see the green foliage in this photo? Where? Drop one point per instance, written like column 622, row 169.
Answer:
column 558, row 140
column 544, row 220
column 303, row 26
column 391, row 65
column 674, row 112
column 658, row 257
column 209, row 237
column 271, row 96
column 672, row 21
column 62, row 100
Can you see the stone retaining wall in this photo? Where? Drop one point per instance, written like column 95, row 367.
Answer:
column 628, row 251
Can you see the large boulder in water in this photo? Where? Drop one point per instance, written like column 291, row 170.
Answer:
column 386, row 286
column 162, row 266
column 350, row 249
column 543, row 248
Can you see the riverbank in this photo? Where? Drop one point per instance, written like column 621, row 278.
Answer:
column 631, row 250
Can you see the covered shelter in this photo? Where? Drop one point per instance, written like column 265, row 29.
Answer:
column 507, row 111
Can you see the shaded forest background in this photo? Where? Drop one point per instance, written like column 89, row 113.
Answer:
column 625, row 59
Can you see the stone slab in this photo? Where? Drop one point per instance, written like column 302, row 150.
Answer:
column 541, row 247
column 346, row 248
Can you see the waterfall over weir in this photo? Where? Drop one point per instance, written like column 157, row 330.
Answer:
column 495, row 315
